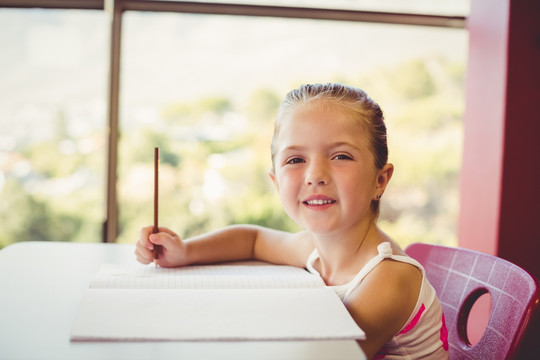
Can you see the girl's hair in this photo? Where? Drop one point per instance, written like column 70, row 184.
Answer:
column 366, row 111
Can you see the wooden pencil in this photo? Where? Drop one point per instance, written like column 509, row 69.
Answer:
column 157, row 248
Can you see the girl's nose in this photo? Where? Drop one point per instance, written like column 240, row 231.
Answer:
column 317, row 175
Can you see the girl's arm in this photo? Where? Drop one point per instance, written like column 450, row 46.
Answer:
column 240, row 242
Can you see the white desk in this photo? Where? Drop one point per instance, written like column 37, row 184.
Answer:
column 42, row 285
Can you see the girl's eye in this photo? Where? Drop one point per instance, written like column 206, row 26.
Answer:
column 296, row 160
column 343, row 157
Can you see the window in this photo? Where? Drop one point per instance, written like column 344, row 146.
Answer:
column 52, row 115
column 204, row 88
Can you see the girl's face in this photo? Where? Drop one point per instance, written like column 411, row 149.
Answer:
column 324, row 170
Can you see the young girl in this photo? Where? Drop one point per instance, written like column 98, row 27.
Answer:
column 329, row 156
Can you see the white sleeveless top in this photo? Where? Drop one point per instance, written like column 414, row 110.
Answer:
column 424, row 335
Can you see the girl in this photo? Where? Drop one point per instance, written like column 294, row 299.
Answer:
column 329, row 156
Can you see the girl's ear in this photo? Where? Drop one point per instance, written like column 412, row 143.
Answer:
column 383, row 178
column 272, row 175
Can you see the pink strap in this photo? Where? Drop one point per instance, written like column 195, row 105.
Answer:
column 414, row 321
column 444, row 334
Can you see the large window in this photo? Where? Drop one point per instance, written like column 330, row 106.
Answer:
column 53, row 76
column 205, row 88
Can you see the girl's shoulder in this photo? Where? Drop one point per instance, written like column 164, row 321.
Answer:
column 391, row 288
column 396, row 269
column 385, row 299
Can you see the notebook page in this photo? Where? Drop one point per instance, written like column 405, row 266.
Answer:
column 213, row 315
column 252, row 275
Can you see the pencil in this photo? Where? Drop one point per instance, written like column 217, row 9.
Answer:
column 155, row 230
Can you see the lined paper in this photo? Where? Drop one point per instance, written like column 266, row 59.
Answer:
column 252, row 275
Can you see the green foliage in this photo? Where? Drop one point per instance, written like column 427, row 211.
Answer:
column 47, row 159
column 413, row 80
column 189, row 114
column 146, row 139
column 263, row 105
column 215, row 158
column 28, row 218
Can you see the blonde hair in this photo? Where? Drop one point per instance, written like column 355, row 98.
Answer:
column 352, row 99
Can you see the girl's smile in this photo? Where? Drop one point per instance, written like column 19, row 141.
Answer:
column 318, row 202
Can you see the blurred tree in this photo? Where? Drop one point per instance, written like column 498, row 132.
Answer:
column 26, row 218
column 147, row 139
column 61, row 126
column 423, row 104
column 262, row 106
column 47, row 160
column 190, row 114
column 413, row 80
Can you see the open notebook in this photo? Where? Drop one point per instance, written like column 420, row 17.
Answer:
column 235, row 301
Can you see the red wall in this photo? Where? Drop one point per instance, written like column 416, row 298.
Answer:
column 484, row 126
column 500, row 180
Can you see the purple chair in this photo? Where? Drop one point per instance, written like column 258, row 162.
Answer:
column 460, row 276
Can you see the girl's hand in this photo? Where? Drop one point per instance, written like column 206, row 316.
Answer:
column 173, row 250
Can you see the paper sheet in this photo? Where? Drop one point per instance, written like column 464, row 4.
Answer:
column 213, row 315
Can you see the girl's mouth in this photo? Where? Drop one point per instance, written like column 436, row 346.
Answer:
column 319, row 202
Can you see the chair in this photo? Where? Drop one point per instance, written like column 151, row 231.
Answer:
column 460, row 276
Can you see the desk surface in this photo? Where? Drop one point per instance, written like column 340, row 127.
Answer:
column 42, row 285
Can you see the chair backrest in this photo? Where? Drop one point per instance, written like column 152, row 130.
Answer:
column 460, row 276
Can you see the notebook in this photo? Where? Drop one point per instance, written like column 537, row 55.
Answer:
column 248, row 301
